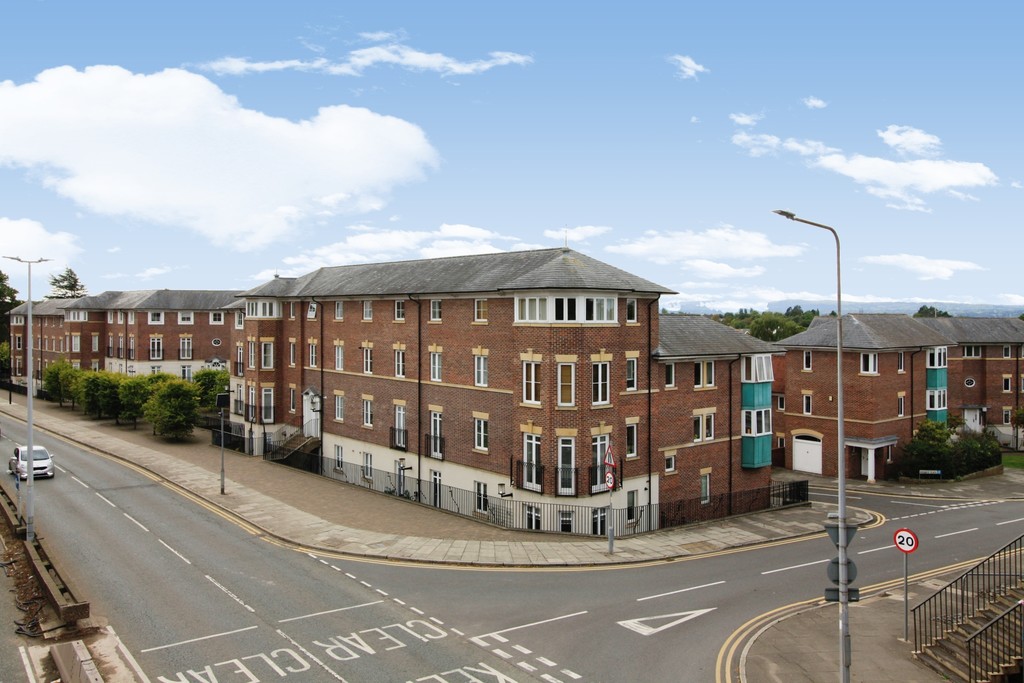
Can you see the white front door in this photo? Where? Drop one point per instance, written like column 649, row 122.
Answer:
column 972, row 419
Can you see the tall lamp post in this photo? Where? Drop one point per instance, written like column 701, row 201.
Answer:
column 844, row 565
column 30, row 466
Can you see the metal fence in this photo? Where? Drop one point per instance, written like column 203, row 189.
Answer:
column 965, row 596
column 558, row 517
column 996, row 647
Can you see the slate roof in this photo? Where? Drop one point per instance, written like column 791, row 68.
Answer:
column 540, row 269
column 868, row 331
column 696, row 335
column 157, row 300
column 979, row 330
column 43, row 307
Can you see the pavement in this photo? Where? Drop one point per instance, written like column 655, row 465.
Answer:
column 323, row 515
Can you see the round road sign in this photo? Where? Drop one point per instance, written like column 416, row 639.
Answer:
column 905, row 540
column 609, row 479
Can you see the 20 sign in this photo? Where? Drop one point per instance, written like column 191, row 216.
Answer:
column 905, row 540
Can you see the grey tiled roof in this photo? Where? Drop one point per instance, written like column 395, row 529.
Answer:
column 44, row 307
column 695, row 335
column 979, row 330
column 506, row 271
column 868, row 331
column 158, row 300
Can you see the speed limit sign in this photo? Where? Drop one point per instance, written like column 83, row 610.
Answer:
column 905, row 540
column 609, row 479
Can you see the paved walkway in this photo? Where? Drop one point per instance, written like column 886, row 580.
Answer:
column 316, row 512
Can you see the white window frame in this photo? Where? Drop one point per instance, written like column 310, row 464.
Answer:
column 670, row 463
column 900, row 362
column 936, row 399
column 156, row 348
column 480, row 310
column 670, row 375
column 869, row 363
column 807, row 360
column 757, row 422
column 267, row 355
column 339, row 310
column 185, row 348
column 632, row 434
column 367, row 467
column 566, row 386
column 186, row 318
column 480, row 496
column 938, row 357
column 480, row 370
column 216, row 317
column 1007, row 384
column 703, row 374
column 531, row 382
column 705, row 488
column 435, row 366
column 339, row 356
column 399, row 363
column 600, row 384
column 972, row 351
column 367, row 412
column 339, row 407
column 481, row 434
column 631, row 370
column 531, row 462
column 312, row 354
column 267, row 405
column 901, row 402
column 367, row 360
column 399, row 309
column 631, row 311
column 311, row 310
column 435, row 310
column 367, row 309
column 807, row 404
column 758, row 368
column 156, row 317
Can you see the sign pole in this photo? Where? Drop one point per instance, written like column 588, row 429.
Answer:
column 906, row 600
column 906, row 542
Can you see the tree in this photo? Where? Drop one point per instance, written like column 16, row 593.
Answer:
column 210, row 382
column 66, row 285
column 133, row 393
column 173, row 409
column 1017, row 420
column 772, row 327
column 59, row 381
column 931, row 312
column 8, row 300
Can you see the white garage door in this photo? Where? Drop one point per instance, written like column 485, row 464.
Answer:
column 807, row 454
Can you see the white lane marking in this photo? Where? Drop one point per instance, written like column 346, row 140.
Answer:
column 309, row 654
column 229, row 593
column 795, row 566
column 835, row 495
column 128, row 656
column 920, row 505
column 954, row 533
column 330, row 611
column 875, row 550
column 201, row 638
column 643, row 629
column 501, row 653
column 136, row 521
column 1011, row 521
column 174, row 551
column 523, row 650
column 497, row 634
column 572, row 674
column 681, row 590
column 106, row 500
column 79, row 481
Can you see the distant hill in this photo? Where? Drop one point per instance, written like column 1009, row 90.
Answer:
column 907, row 307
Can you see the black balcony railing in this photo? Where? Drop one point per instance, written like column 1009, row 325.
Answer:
column 559, row 517
column 568, row 482
column 529, row 476
column 399, row 439
column 239, row 368
column 433, row 444
column 110, row 352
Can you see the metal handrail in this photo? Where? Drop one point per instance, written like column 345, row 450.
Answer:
column 997, row 644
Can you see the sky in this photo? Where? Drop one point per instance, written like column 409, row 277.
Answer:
column 214, row 145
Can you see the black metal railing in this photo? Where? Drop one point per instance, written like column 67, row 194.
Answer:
column 239, row 368
column 971, row 592
column 997, row 645
column 586, row 520
column 529, row 476
column 434, row 446
column 568, row 481
column 399, row 439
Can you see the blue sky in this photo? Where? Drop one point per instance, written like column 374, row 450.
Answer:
column 211, row 145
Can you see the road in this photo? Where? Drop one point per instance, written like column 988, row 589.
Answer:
column 196, row 597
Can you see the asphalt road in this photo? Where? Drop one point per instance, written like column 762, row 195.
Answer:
column 196, row 597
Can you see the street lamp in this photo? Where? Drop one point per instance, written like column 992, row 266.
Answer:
column 844, row 565
column 30, row 466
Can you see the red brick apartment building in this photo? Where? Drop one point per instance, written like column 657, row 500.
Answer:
column 517, row 374
column 897, row 371
column 173, row 331
column 985, row 378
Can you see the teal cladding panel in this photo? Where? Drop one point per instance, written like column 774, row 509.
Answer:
column 754, row 395
column 757, row 451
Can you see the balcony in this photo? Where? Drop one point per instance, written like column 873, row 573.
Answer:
column 434, row 446
column 239, row 368
column 399, row 439
column 567, row 480
column 530, row 476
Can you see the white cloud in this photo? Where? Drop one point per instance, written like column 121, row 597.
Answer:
column 688, row 68
column 812, row 102
column 694, row 119
column 173, row 149
column 1017, row 185
column 29, row 240
column 715, row 270
column 900, row 182
column 369, row 244
column 725, row 242
column 924, row 268
column 580, row 233
column 911, row 141
column 757, row 145
column 358, row 61
column 746, row 119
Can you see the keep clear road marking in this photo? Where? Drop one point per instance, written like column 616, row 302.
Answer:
column 644, row 630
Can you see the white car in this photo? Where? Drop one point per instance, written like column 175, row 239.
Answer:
column 42, row 463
